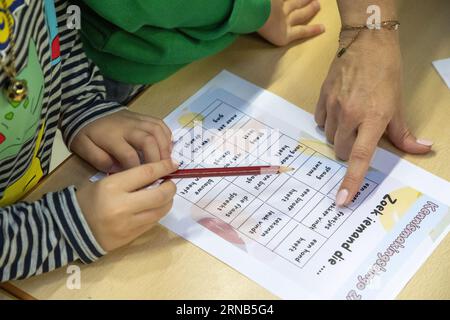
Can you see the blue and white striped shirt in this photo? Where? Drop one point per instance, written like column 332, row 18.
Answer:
column 66, row 91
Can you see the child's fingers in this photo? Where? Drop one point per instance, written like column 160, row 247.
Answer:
column 304, row 15
column 148, row 221
column 123, row 152
column 304, row 32
column 142, row 176
column 159, row 123
column 147, row 199
column 292, row 5
column 163, row 140
column 151, row 150
column 139, row 224
column 150, row 217
column 166, row 130
column 146, row 143
column 93, row 154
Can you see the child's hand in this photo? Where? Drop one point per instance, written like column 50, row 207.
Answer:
column 119, row 137
column 288, row 21
column 118, row 210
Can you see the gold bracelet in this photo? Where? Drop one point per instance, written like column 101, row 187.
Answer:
column 388, row 25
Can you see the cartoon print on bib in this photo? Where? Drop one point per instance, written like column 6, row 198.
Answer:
column 13, row 7
column 19, row 123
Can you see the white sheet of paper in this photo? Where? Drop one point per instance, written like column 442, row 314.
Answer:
column 284, row 231
column 443, row 68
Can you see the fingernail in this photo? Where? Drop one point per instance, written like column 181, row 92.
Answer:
column 425, row 142
column 341, row 197
column 175, row 163
column 322, row 28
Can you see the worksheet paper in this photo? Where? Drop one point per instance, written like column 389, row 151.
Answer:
column 285, row 231
column 443, row 68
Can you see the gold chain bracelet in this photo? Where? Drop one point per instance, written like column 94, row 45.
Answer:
column 388, row 25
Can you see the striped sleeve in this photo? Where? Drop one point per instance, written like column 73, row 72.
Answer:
column 44, row 235
column 83, row 91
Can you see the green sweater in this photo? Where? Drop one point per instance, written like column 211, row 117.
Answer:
column 145, row 41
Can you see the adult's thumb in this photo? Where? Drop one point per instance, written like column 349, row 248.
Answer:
column 400, row 135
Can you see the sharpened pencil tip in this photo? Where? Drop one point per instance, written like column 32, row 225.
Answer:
column 285, row 169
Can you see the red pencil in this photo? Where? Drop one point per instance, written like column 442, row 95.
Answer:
column 225, row 172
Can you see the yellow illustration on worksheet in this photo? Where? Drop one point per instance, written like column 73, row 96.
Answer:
column 190, row 119
column 406, row 198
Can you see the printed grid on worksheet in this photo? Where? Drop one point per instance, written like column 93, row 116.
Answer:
column 291, row 214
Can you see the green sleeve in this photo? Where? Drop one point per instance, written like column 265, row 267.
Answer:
column 145, row 41
column 222, row 16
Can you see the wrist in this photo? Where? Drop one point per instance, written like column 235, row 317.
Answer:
column 367, row 41
column 360, row 12
column 388, row 37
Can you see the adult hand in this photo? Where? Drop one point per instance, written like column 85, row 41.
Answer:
column 361, row 99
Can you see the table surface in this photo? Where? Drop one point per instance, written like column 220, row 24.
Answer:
column 161, row 265
column 5, row 296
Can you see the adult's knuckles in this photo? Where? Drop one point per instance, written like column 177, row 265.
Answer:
column 331, row 101
column 379, row 117
column 348, row 111
column 361, row 153
column 341, row 152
